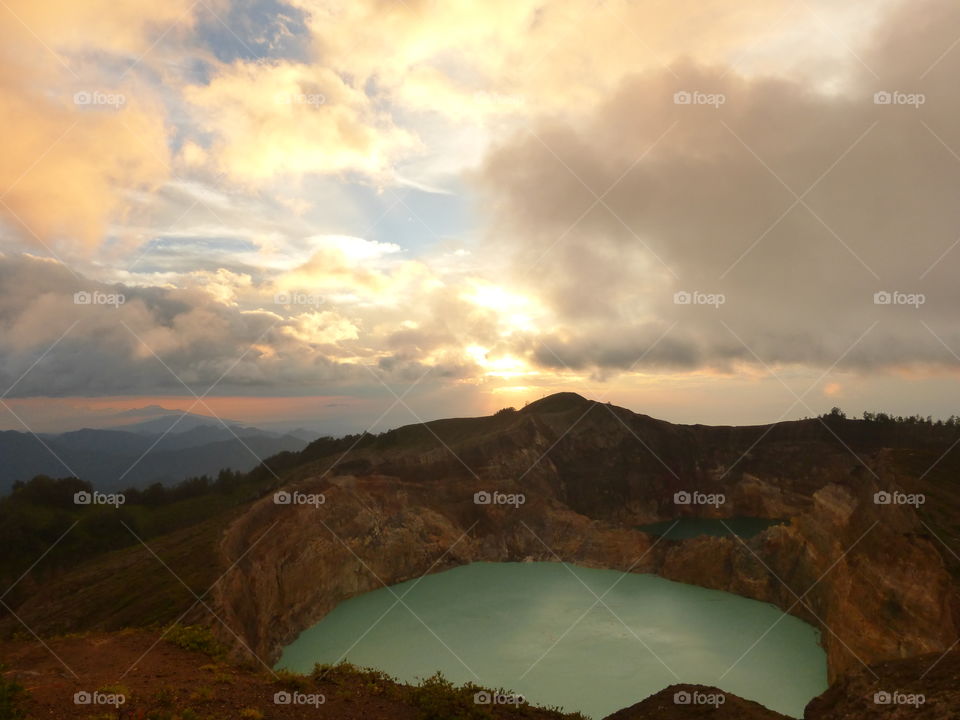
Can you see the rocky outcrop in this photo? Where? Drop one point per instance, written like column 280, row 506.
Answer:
column 920, row 687
column 867, row 574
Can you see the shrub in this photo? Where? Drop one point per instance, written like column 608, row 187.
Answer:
column 195, row 637
column 292, row 681
column 436, row 698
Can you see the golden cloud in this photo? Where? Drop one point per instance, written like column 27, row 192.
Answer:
column 75, row 137
column 488, row 58
column 290, row 119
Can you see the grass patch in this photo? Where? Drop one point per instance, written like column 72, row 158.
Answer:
column 437, row 698
column 294, row 682
column 12, row 696
column 197, row 638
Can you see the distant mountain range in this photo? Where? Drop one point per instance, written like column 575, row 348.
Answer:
column 164, row 449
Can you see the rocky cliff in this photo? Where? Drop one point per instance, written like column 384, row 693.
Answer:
column 868, row 574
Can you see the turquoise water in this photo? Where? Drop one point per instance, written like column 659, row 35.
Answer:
column 685, row 528
column 528, row 627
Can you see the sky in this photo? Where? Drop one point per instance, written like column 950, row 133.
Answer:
column 352, row 214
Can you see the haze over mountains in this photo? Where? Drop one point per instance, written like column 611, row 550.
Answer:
column 166, row 448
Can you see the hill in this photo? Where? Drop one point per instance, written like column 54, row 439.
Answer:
column 879, row 579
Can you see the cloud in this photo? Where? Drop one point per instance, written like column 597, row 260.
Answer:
column 284, row 118
column 607, row 217
column 228, row 330
column 151, row 339
column 127, row 28
column 78, row 132
column 607, row 197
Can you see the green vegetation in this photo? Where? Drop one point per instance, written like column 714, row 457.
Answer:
column 196, row 638
column 11, row 697
column 437, row 698
column 882, row 418
column 434, row 698
column 40, row 512
column 294, row 682
column 115, row 690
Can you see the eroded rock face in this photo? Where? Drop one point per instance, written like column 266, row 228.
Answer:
column 858, row 571
column 865, row 574
column 924, row 687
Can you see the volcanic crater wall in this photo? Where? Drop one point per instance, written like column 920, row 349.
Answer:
column 866, row 574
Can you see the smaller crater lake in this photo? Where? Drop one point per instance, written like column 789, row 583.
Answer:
column 686, row 528
column 537, row 629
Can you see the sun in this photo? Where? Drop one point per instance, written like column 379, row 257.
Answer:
column 514, row 311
